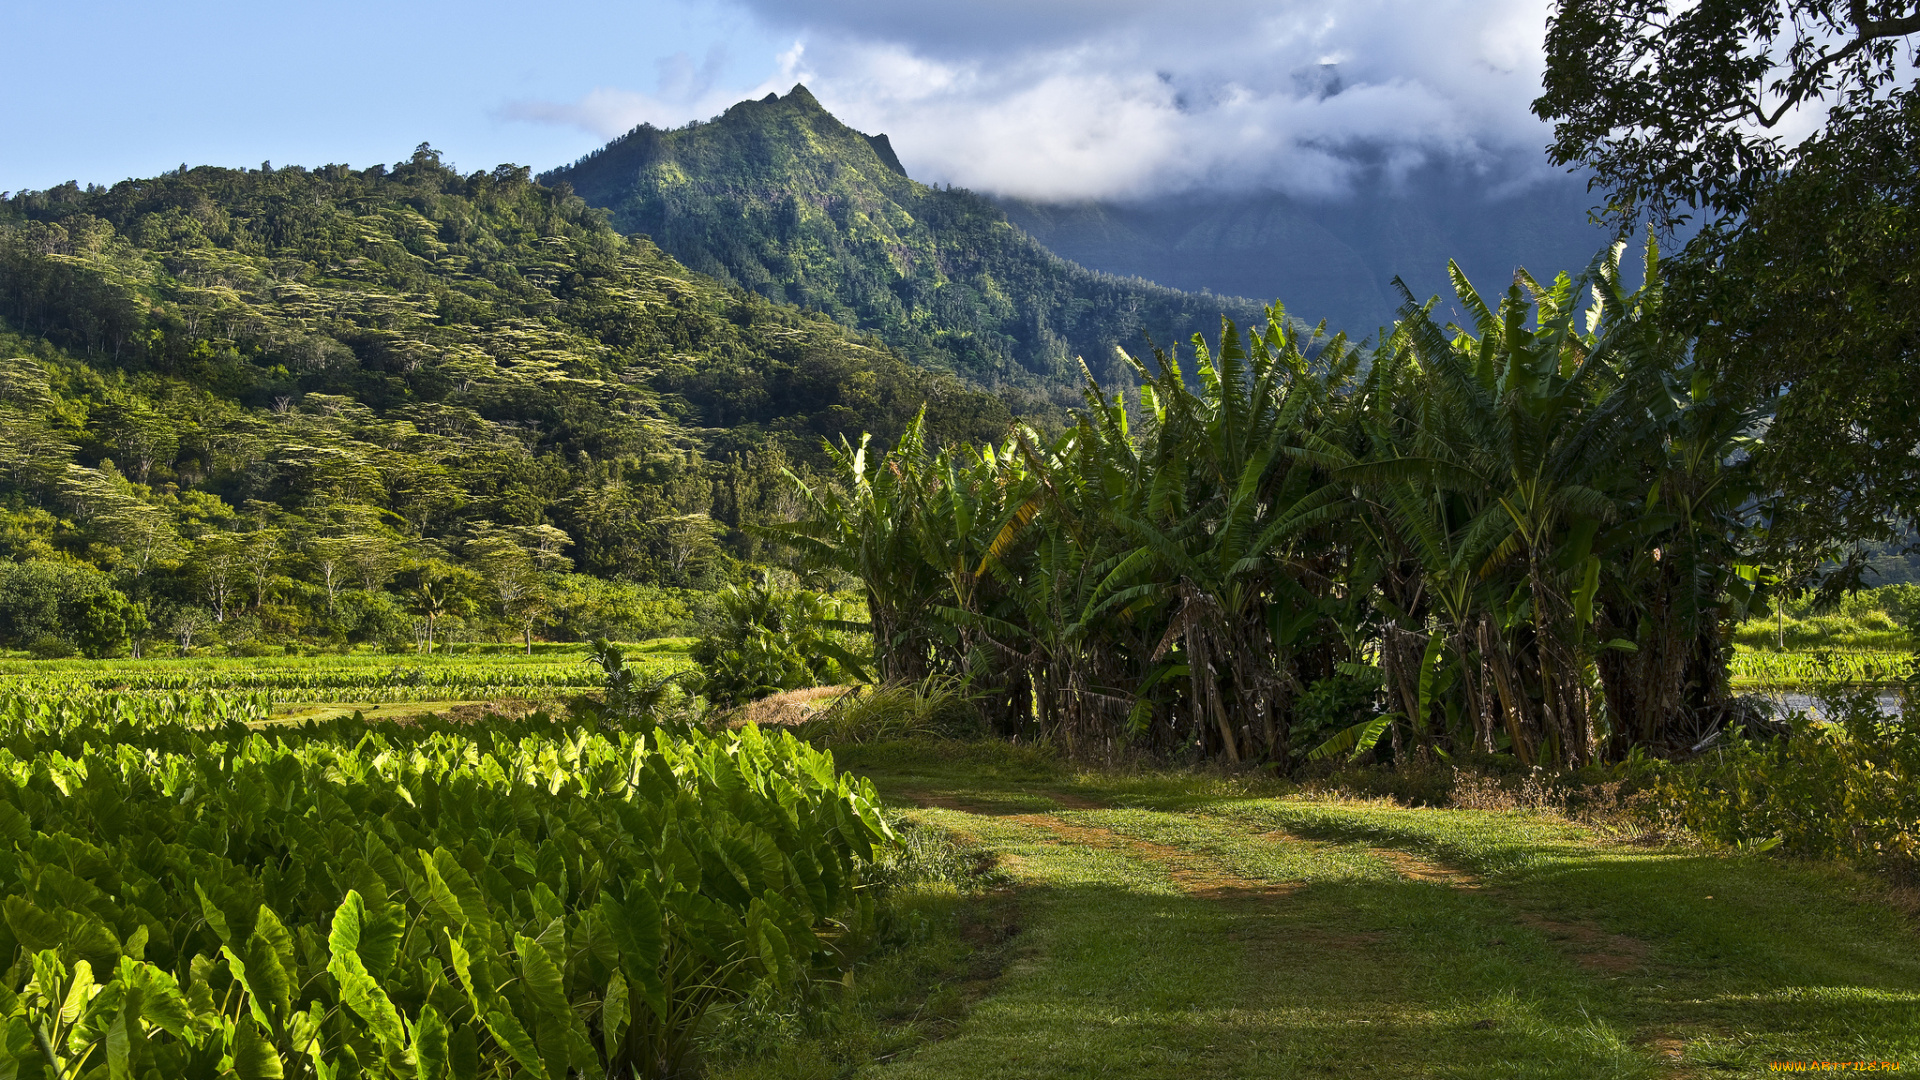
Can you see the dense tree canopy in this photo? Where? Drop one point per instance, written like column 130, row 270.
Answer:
column 1526, row 535
column 1673, row 105
column 1812, row 300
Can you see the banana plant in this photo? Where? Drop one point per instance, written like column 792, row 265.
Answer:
column 862, row 524
column 1215, row 526
column 1532, row 525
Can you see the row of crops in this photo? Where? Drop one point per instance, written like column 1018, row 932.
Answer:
column 365, row 678
column 1821, row 666
column 190, row 898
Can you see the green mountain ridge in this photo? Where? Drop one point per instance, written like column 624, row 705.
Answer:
column 780, row 198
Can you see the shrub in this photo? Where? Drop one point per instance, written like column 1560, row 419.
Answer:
column 1902, row 604
column 102, row 623
column 51, row 647
column 1333, row 704
column 1845, row 784
column 632, row 701
column 768, row 640
column 375, row 618
column 37, row 596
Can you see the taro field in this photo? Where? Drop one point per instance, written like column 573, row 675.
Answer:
column 320, row 686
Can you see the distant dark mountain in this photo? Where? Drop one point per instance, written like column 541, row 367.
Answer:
column 1332, row 259
column 779, row 197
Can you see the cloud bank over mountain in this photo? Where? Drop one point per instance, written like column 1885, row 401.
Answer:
column 1062, row 100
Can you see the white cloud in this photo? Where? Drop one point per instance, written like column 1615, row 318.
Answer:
column 606, row 111
column 1106, row 99
column 683, row 91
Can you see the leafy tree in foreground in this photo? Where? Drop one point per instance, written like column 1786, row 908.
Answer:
column 1674, row 104
column 1801, row 286
column 1814, row 296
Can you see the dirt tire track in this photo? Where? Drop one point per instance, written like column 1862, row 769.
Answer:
column 1583, row 941
column 1419, row 868
column 1194, row 874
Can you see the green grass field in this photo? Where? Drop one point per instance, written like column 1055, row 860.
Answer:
column 1171, row 926
column 1858, row 640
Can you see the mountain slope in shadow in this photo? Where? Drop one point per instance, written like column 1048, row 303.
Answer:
column 1331, row 259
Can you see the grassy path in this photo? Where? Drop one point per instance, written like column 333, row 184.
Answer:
column 1168, row 930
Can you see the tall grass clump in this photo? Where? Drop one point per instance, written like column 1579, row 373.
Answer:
column 940, row 707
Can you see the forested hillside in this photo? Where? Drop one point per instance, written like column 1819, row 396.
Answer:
column 361, row 405
column 780, row 197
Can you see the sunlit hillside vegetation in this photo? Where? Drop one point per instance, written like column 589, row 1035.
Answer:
column 251, row 406
column 1886, row 618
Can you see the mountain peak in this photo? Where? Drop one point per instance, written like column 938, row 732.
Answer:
column 799, row 99
column 772, row 133
column 884, row 148
column 780, row 197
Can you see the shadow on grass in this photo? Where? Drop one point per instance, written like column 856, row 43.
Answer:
column 1747, row 959
column 1330, row 979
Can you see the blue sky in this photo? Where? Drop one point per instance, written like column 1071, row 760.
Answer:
column 1054, row 99
column 100, row 91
